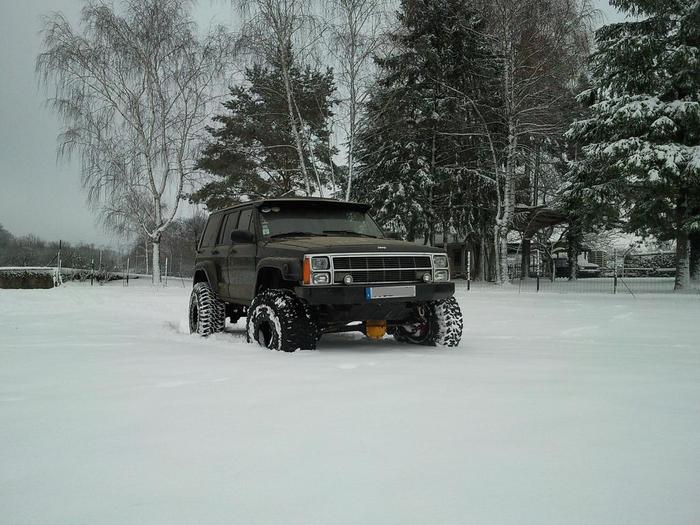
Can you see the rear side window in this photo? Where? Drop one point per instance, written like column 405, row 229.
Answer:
column 230, row 225
column 246, row 221
column 211, row 231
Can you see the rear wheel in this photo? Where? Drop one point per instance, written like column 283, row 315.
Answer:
column 207, row 312
column 437, row 323
column 279, row 320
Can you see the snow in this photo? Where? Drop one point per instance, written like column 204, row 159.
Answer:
column 554, row 409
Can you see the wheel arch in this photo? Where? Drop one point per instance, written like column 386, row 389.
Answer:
column 277, row 272
column 204, row 274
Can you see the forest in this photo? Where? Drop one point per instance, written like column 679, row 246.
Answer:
column 496, row 126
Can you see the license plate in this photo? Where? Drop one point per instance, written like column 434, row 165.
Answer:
column 389, row 292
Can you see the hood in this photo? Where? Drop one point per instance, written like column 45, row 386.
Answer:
column 348, row 244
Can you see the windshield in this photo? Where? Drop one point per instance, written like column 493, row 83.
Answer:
column 291, row 219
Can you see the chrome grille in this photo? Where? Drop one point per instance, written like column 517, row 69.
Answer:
column 381, row 268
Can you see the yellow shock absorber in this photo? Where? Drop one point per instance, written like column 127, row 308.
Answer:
column 375, row 329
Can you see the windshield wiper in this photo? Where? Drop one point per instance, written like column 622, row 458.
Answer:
column 297, row 234
column 350, row 232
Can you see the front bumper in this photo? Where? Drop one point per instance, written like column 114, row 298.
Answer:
column 355, row 294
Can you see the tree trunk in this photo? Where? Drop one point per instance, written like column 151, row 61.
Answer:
column 682, row 262
column 501, row 248
column 497, row 254
column 156, row 261
column 682, row 244
column 505, row 278
column 573, row 249
column 572, row 254
column 295, row 128
column 351, row 139
column 525, row 259
column 503, row 223
column 481, row 269
column 695, row 258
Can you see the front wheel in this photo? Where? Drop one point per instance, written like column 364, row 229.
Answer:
column 437, row 323
column 207, row 312
column 279, row 320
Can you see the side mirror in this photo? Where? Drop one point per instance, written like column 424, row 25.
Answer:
column 393, row 235
column 242, row 237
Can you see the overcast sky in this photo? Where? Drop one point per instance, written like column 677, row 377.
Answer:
column 38, row 194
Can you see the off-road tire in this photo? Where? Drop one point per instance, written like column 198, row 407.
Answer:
column 207, row 312
column 279, row 320
column 438, row 323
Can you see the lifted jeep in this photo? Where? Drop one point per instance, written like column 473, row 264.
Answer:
column 300, row 268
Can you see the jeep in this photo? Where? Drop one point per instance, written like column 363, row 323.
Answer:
column 299, row 268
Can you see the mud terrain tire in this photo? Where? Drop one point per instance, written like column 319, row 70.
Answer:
column 279, row 320
column 207, row 313
column 438, row 323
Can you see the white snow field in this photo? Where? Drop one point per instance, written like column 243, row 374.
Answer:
column 555, row 409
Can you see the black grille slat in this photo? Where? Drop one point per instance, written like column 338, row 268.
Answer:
column 378, row 269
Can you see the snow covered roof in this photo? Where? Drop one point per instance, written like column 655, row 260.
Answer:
column 531, row 219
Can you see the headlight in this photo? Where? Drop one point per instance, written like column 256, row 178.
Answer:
column 440, row 261
column 441, row 275
column 320, row 263
column 322, row 278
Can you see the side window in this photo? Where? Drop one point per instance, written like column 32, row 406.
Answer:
column 245, row 222
column 230, row 225
column 211, row 231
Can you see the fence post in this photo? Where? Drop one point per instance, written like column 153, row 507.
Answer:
column 614, row 271
column 58, row 262
column 469, row 270
column 92, row 271
column 166, row 271
column 127, row 271
column 538, row 269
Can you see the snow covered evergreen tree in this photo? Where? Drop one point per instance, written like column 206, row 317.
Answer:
column 641, row 139
column 253, row 154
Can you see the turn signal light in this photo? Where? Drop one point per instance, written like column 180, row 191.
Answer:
column 307, row 270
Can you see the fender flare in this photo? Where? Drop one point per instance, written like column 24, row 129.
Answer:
column 289, row 268
column 209, row 271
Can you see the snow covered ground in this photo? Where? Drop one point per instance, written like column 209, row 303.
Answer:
column 555, row 409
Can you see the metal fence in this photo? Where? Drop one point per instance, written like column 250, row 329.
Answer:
column 611, row 285
column 620, row 272
column 600, row 285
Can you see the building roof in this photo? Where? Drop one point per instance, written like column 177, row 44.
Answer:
column 531, row 219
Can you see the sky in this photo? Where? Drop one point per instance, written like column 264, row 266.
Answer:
column 40, row 194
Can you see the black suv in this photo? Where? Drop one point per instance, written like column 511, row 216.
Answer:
column 301, row 268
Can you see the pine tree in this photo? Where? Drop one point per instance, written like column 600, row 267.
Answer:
column 641, row 139
column 252, row 154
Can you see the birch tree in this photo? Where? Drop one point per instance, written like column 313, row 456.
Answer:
column 356, row 36
column 132, row 85
column 271, row 30
column 539, row 46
